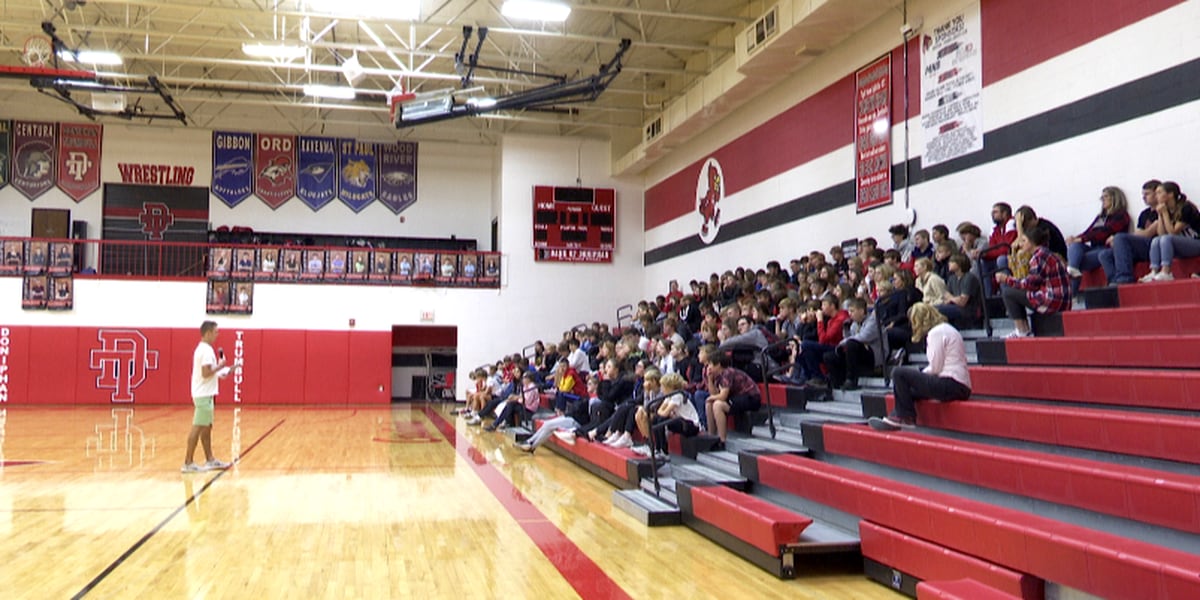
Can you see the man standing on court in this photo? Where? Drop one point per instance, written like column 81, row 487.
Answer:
column 206, row 370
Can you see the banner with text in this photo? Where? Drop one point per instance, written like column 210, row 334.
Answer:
column 873, row 134
column 79, row 159
column 33, row 157
column 356, row 173
column 233, row 158
column 316, row 180
column 951, row 86
column 274, row 168
column 397, row 183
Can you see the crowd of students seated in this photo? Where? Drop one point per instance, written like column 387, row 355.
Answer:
column 689, row 360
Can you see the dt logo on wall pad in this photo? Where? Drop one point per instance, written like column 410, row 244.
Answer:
column 123, row 359
column 710, row 190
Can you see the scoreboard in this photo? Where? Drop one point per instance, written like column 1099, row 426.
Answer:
column 572, row 224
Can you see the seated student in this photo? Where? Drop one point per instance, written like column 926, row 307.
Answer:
column 748, row 344
column 972, row 243
column 1126, row 248
column 940, row 233
column 1028, row 219
column 675, row 410
column 1046, row 289
column 478, row 396
column 932, row 287
column 946, row 377
column 564, row 426
column 569, row 384
column 891, row 312
column 830, row 320
column 923, row 247
column 732, row 392
column 941, row 259
column 963, row 301
column 858, row 352
column 519, row 407
column 994, row 256
column 624, row 420
column 1178, row 232
column 1083, row 250
column 901, row 242
column 794, row 375
column 615, row 389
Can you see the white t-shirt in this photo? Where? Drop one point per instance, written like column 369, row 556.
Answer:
column 201, row 386
column 684, row 408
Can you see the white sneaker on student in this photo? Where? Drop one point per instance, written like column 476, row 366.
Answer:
column 1074, row 272
column 642, row 450
column 611, row 437
column 1164, row 276
column 1148, row 277
column 215, row 465
column 568, row 437
column 624, row 441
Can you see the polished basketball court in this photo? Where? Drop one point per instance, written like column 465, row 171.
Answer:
column 393, row 502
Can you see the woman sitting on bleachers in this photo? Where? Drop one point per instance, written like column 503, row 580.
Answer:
column 675, row 410
column 932, row 287
column 624, row 420
column 1083, row 250
column 946, row 377
column 1178, row 232
column 1046, row 289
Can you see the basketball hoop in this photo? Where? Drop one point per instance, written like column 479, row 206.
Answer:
column 37, row 51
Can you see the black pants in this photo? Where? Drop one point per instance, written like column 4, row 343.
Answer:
column 599, row 417
column 848, row 361
column 910, row 384
column 624, row 419
column 1015, row 302
column 489, row 409
column 512, row 413
column 676, row 424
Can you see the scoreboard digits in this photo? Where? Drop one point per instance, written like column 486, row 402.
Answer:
column 573, row 224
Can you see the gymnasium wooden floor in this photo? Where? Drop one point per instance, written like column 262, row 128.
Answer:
column 369, row 502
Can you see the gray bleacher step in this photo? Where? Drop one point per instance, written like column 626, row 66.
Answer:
column 722, row 461
column 697, row 472
column 646, row 508
column 785, row 441
column 921, row 360
column 666, row 487
column 839, row 408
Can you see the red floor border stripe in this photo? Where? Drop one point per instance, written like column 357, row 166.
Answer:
column 588, row 579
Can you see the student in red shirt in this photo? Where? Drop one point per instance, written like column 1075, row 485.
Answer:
column 830, row 321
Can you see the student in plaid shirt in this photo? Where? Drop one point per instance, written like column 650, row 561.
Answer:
column 1046, row 289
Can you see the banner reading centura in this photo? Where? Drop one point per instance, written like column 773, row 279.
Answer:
column 873, row 134
column 316, row 170
column 951, row 86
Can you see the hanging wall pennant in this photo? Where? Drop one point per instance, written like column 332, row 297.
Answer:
column 274, row 168
column 317, row 177
column 397, row 181
column 33, row 157
column 233, row 159
column 356, row 173
column 79, row 159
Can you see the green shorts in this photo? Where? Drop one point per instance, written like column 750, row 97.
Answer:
column 204, row 411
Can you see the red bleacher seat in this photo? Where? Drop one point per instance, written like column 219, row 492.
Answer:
column 752, row 520
column 1182, row 268
column 959, row 589
column 928, row 561
column 1089, row 560
column 1178, row 352
column 1162, row 293
column 1174, row 389
column 1151, row 320
column 1146, row 495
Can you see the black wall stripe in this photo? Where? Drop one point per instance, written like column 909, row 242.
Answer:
column 1160, row 91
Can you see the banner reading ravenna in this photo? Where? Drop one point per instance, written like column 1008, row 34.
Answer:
column 274, row 168
column 79, row 159
column 233, row 158
column 316, row 180
column 356, row 173
column 397, row 182
column 33, row 157
column 873, row 134
column 951, row 85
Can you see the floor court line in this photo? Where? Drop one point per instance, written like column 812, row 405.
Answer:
column 583, row 574
column 145, row 538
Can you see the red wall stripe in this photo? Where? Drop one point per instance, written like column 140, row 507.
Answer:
column 1017, row 35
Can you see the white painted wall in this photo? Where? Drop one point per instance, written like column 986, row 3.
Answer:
column 1061, row 181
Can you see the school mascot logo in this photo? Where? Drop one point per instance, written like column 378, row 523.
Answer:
column 710, row 190
column 123, row 359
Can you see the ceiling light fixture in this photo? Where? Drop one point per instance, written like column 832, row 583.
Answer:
column 91, row 57
column 276, row 51
column 329, row 91
column 536, row 10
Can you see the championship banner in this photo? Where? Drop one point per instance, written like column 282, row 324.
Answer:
column 316, row 180
column 233, row 156
column 397, row 182
column 274, row 168
column 873, row 134
column 951, row 87
column 33, row 157
column 5, row 145
column 356, row 173
column 79, row 159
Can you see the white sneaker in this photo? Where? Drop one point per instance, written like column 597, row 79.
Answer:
column 1074, row 272
column 215, row 465
column 1164, row 276
column 1016, row 333
column 191, row 468
column 625, row 441
column 568, row 437
column 1148, row 277
column 611, row 437
column 642, row 450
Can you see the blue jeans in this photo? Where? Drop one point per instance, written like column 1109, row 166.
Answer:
column 811, row 354
column 699, row 400
column 990, row 268
column 1082, row 257
column 1118, row 261
column 1164, row 249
